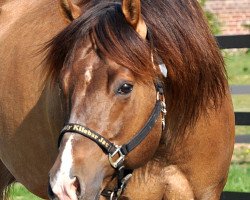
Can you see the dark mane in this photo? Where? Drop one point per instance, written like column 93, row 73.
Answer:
column 196, row 74
column 115, row 39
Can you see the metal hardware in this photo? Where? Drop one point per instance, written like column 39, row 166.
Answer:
column 164, row 108
column 164, row 113
column 158, row 96
column 111, row 196
column 123, row 185
column 120, row 160
column 163, row 69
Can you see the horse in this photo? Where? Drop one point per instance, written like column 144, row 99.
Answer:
column 112, row 100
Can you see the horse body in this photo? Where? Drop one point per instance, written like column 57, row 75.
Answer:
column 193, row 167
column 26, row 108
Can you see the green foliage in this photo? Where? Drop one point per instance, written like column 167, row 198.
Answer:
column 212, row 19
column 246, row 26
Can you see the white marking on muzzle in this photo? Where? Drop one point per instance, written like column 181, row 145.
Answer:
column 63, row 183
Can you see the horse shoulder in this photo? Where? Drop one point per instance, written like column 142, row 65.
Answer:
column 158, row 182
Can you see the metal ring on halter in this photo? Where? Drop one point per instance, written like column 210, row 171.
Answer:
column 120, row 160
column 111, row 196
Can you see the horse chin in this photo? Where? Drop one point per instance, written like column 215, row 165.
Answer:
column 93, row 195
column 90, row 185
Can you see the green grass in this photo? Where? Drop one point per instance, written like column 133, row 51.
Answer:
column 238, row 67
column 239, row 174
column 239, row 178
column 19, row 192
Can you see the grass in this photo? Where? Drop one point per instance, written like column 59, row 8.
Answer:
column 238, row 67
column 239, row 178
column 239, row 174
column 19, row 192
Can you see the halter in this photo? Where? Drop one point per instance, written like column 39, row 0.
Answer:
column 113, row 150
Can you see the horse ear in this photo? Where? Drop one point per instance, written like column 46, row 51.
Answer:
column 70, row 9
column 132, row 12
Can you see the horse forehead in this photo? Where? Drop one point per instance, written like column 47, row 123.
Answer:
column 89, row 62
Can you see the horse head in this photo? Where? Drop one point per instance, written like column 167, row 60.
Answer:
column 112, row 97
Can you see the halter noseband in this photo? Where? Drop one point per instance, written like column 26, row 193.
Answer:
column 112, row 149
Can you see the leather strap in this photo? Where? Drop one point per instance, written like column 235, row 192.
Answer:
column 142, row 134
column 106, row 145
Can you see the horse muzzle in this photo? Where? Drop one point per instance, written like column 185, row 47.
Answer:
column 79, row 170
column 68, row 190
column 73, row 190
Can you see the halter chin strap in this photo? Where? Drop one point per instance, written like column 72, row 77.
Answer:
column 114, row 150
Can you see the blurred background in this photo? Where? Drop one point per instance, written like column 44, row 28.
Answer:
column 232, row 17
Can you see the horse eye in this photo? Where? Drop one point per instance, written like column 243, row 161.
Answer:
column 126, row 88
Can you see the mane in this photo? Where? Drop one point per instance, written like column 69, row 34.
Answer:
column 181, row 38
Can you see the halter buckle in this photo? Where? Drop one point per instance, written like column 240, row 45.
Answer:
column 121, row 158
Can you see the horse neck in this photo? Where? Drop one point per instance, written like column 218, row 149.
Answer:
column 54, row 110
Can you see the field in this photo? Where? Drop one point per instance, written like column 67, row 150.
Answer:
column 238, row 67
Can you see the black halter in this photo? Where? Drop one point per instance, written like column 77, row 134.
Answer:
column 112, row 149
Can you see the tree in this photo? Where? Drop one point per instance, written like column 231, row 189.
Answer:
column 212, row 19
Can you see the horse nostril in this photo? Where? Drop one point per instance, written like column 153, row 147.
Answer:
column 77, row 186
column 50, row 192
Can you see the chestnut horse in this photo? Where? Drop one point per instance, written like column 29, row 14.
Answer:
column 139, row 90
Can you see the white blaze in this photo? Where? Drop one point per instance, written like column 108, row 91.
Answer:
column 88, row 74
column 81, row 94
column 62, row 183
